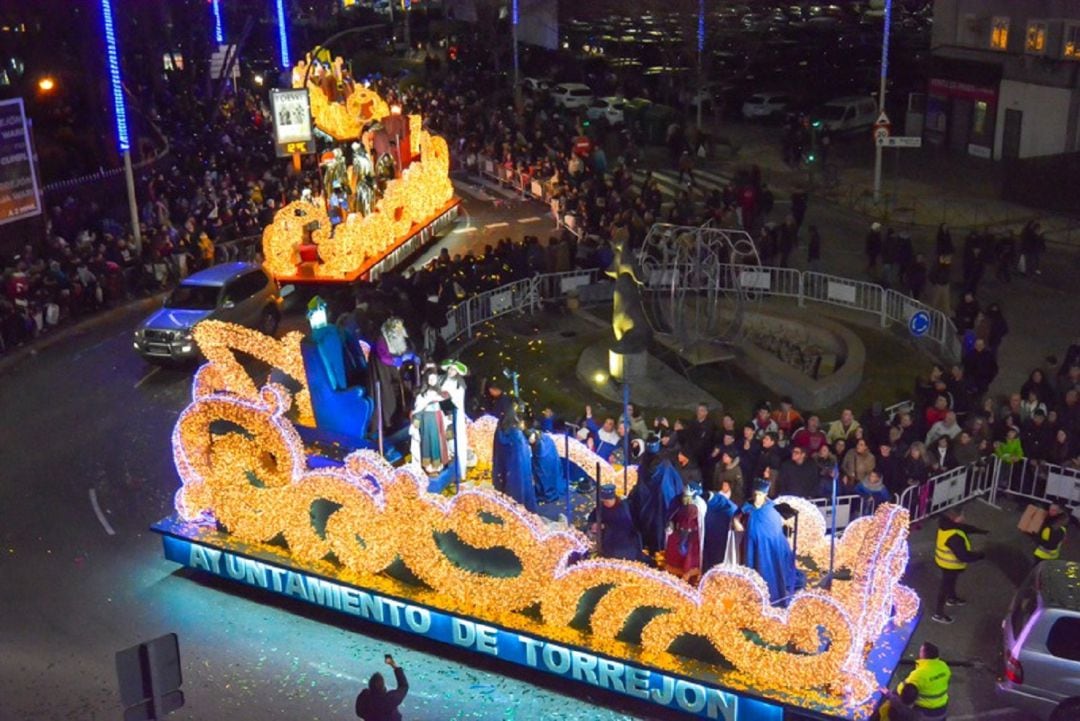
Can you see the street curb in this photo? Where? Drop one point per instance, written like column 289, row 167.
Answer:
column 45, row 342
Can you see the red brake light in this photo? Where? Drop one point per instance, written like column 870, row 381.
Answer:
column 1013, row 670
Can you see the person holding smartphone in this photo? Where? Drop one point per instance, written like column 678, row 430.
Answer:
column 375, row 703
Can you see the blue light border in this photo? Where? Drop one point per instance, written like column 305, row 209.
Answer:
column 113, row 60
column 219, row 30
column 283, row 35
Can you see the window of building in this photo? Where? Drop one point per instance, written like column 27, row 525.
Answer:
column 999, row 33
column 1036, row 37
column 1071, row 45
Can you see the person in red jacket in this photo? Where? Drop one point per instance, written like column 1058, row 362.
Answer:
column 375, row 703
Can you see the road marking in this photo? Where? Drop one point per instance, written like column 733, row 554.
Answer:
column 468, row 229
column 148, row 376
column 99, row 514
column 534, row 219
column 489, row 226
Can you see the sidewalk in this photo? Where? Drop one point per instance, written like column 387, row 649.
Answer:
column 56, row 335
column 921, row 187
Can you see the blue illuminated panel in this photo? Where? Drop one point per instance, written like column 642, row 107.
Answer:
column 283, row 34
column 693, row 696
column 113, row 59
column 219, row 32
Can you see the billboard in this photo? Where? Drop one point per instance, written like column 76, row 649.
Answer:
column 292, row 122
column 19, row 197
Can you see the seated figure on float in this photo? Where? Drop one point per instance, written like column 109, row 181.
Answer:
column 336, row 365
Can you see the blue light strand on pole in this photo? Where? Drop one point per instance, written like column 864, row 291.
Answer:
column 283, row 35
column 112, row 57
column 219, row 32
column 885, row 42
column 701, row 27
column 514, row 12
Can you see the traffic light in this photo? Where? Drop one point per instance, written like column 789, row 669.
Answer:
column 816, row 125
column 811, row 157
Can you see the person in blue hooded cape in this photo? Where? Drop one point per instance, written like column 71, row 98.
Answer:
column 615, row 533
column 659, row 486
column 719, row 521
column 511, row 462
column 767, row 549
column 547, row 468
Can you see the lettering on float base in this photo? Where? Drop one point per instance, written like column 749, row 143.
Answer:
column 577, row 664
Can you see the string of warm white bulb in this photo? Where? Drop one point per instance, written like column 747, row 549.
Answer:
column 385, row 513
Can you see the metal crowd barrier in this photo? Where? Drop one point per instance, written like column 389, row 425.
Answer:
column 528, row 187
column 1038, row 481
column 949, row 489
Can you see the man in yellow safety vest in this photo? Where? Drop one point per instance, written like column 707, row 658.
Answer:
column 952, row 554
column 931, row 676
column 1051, row 537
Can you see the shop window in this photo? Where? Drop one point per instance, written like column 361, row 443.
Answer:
column 1035, row 41
column 999, row 33
column 1071, row 45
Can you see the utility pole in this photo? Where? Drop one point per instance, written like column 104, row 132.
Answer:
column 408, row 34
column 514, row 36
column 881, row 94
column 700, row 53
column 120, row 110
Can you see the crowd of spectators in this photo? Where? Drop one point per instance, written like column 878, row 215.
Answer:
column 878, row 454
column 220, row 182
column 586, row 167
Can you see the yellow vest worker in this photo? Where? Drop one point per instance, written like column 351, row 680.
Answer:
column 943, row 555
column 952, row 554
column 931, row 676
column 1051, row 536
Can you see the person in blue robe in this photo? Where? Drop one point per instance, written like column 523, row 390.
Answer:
column 659, row 486
column 547, row 468
column 767, row 549
column 616, row 535
column 511, row 462
column 719, row 517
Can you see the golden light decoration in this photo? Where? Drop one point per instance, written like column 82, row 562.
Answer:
column 414, row 198
column 341, row 121
column 251, row 475
column 219, row 342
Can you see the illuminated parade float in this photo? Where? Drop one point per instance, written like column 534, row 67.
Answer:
column 386, row 185
column 282, row 488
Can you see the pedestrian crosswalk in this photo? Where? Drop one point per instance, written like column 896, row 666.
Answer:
column 705, row 181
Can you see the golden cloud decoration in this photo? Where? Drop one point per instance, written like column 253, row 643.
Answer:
column 250, row 475
column 341, row 121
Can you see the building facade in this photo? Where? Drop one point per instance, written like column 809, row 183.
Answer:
column 1005, row 79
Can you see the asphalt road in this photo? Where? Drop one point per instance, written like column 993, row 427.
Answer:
column 85, row 427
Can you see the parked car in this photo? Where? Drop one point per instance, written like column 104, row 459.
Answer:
column 1041, row 639
column 847, row 115
column 572, row 95
column 240, row 293
column 765, row 105
column 536, row 85
column 610, row 108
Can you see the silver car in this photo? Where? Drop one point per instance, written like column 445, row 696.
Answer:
column 240, row 293
column 1041, row 634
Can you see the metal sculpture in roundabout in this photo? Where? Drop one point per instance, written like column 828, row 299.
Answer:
column 698, row 282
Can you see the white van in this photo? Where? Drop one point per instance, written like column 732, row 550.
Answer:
column 847, row 115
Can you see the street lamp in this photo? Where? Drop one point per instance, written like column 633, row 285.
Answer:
column 46, row 84
column 123, row 140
